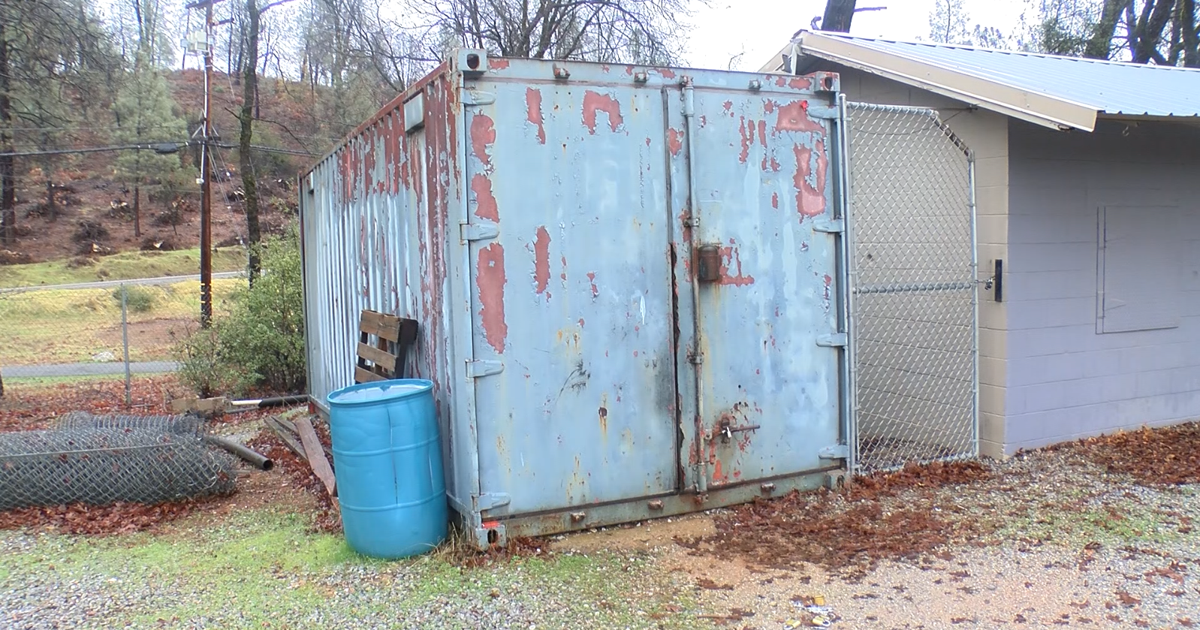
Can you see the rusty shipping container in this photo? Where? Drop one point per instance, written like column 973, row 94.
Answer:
column 629, row 282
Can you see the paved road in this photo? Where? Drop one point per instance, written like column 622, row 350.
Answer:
column 87, row 369
column 105, row 284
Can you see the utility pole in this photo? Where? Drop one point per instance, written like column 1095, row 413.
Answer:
column 206, row 169
column 206, row 176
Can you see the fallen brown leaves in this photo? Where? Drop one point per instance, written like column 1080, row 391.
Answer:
column 1164, row 456
column 848, row 532
column 26, row 408
column 300, row 474
column 118, row 518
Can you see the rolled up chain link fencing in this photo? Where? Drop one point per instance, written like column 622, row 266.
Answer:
column 99, row 460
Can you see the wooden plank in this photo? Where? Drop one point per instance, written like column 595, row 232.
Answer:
column 380, row 325
column 366, row 376
column 316, row 455
column 385, row 360
column 290, row 440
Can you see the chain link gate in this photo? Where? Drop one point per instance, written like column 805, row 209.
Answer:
column 913, row 311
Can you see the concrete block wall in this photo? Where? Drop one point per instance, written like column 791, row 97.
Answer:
column 1064, row 379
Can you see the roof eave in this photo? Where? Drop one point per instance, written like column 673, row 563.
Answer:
column 1033, row 107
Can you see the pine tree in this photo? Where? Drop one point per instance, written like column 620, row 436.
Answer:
column 145, row 113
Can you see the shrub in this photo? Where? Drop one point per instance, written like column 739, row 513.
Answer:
column 260, row 344
column 137, row 299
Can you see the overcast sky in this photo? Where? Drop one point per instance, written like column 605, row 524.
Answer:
column 757, row 29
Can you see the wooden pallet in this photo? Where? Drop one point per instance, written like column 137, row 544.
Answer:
column 383, row 344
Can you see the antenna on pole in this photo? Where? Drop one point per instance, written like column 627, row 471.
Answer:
column 206, row 168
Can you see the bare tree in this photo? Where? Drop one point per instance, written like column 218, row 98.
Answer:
column 638, row 31
column 838, row 16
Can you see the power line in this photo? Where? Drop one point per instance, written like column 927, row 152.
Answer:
column 162, row 148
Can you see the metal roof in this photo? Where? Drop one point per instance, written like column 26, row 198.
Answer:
column 1051, row 90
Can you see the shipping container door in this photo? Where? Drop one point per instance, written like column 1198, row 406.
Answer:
column 761, row 254
column 571, row 292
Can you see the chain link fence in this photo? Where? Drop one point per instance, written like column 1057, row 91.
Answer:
column 98, row 330
column 102, row 460
column 913, row 289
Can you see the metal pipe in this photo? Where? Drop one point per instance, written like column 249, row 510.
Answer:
column 254, row 459
column 847, row 279
column 125, row 344
column 277, row 401
column 974, row 302
column 689, row 113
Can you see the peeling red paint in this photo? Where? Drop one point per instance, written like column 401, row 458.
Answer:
column 592, row 278
column 810, row 200
column 541, row 263
column 674, row 141
column 533, row 103
column 629, row 70
column 563, row 275
column 635, row 353
column 605, row 67
column 779, row 81
column 800, row 83
column 731, row 258
column 581, row 322
column 486, row 207
column 794, row 117
column 769, row 107
column 596, row 102
column 775, row 164
column 775, row 200
column 762, row 133
column 666, row 73
column 647, row 141
column 490, row 279
column 745, row 141
column 483, row 135
column 828, row 282
column 498, row 63
column 703, row 121
column 728, row 105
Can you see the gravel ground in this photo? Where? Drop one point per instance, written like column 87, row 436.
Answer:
column 1050, row 538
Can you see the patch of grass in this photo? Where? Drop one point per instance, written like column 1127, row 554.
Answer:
column 35, row 382
column 265, row 567
column 73, row 325
column 123, row 266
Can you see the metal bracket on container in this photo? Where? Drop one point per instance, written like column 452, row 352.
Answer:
column 477, row 97
column 478, row 369
column 830, row 226
column 822, row 112
column 837, row 451
column 835, row 340
column 490, row 500
column 478, row 231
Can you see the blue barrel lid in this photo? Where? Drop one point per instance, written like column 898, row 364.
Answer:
column 378, row 391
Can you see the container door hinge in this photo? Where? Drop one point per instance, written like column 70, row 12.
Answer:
column 478, row 369
column 837, row 451
column 836, row 340
column 490, row 500
column 823, row 112
column 479, row 231
column 476, row 97
column 830, row 226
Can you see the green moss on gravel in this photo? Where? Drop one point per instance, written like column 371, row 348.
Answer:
column 265, row 567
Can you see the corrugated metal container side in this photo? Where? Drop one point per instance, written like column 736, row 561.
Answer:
column 630, row 282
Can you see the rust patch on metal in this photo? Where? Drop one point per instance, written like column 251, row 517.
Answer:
column 828, row 282
column 674, row 141
column 533, row 103
column 731, row 258
column 779, row 81
column 775, row 200
column 483, row 135
column 810, row 197
column 594, row 102
column 581, row 322
column 762, row 133
column 541, row 262
column 728, row 105
column 800, row 83
column 666, row 73
column 703, row 121
column 746, row 142
column 563, row 275
column 592, row 279
column 498, row 63
column 486, row 207
column 794, row 117
column 769, row 107
column 603, row 414
column 490, row 279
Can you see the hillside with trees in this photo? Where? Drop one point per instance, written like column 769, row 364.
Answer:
column 101, row 101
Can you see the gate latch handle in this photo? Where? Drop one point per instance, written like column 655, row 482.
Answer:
column 727, row 430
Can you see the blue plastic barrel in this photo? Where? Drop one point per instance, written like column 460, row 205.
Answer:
column 388, row 459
